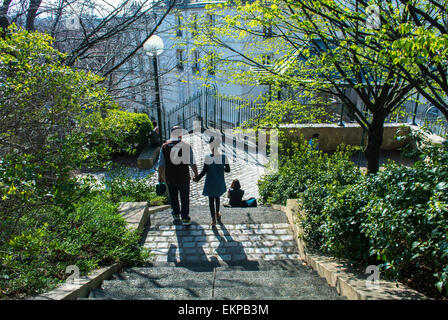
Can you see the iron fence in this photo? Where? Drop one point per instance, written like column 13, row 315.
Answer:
column 221, row 112
column 213, row 110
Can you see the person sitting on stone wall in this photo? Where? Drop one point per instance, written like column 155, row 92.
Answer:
column 154, row 137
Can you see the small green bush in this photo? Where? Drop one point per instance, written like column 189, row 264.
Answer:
column 301, row 167
column 135, row 128
column 122, row 188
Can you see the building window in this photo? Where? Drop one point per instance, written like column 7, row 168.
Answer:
column 196, row 57
column 178, row 25
column 194, row 33
column 211, row 63
column 180, row 59
column 267, row 32
column 210, row 20
column 266, row 59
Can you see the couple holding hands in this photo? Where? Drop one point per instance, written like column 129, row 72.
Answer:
column 174, row 170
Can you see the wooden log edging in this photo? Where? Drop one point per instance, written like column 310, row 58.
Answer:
column 349, row 282
column 136, row 215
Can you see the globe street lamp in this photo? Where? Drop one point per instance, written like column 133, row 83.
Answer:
column 154, row 47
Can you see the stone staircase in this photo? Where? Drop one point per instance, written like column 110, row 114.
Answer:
column 250, row 255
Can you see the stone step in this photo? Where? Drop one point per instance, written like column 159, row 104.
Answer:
column 263, row 265
column 169, row 268
column 242, row 278
column 174, row 281
column 223, row 229
column 268, row 293
column 129, row 293
column 165, row 274
column 279, row 278
column 226, row 257
column 303, row 283
column 200, row 215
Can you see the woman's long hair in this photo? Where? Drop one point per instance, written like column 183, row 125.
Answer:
column 235, row 185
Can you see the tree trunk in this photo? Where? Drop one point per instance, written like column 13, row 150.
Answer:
column 375, row 139
column 32, row 13
column 4, row 22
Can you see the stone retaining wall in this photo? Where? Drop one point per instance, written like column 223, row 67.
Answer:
column 338, row 272
column 332, row 135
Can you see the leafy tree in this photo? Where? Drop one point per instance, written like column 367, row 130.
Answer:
column 414, row 37
column 325, row 52
column 100, row 36
column 46, row 113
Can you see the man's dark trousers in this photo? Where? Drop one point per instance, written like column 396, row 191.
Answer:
column 184, row 191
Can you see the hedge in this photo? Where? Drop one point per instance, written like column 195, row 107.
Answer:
column 396, row 219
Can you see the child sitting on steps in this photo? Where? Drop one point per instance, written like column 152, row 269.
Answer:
column 235, row 195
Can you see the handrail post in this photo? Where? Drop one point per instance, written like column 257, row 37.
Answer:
column 415, row 110
column 239, row 114
column 341, row 122
column 206, row 107
column 220, row 120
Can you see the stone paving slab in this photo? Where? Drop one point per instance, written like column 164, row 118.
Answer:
column 130, row 293
column 267, row 293
column 232, row 218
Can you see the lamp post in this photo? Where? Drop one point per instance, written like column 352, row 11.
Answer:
column 154, row 47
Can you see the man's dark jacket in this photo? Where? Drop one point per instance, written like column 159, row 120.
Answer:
column 176, row 174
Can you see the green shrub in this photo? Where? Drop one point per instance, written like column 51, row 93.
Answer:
column 406, row 223
column 93, row 234
column 396, row 219
column 300, row 168
column 126, row 132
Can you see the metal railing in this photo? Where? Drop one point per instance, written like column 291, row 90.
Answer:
column 224, row 112
column 424, row 115
column 213, row 110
